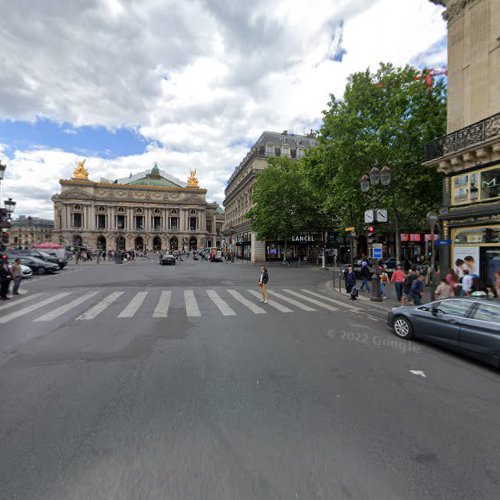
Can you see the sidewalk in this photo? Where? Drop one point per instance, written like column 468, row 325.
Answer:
column 364, row 296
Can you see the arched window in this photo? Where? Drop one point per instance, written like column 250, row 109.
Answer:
column 77, row 207
column 285, row 150
column 121, row 209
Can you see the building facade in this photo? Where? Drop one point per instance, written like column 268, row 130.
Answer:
column 239, row 237
column 469, row 155
column 147, row 211
column 28, row 231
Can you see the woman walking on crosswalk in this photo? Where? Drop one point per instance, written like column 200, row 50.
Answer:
column 264, row 278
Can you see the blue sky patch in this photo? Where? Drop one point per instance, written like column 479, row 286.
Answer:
column 87, row 141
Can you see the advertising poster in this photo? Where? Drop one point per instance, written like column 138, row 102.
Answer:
column 465, row 257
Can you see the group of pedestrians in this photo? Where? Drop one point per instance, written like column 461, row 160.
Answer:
column 7, row 274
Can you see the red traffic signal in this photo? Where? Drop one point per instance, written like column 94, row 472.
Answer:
column 371, row 229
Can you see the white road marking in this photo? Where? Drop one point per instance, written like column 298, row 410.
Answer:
column 66, row 307
column 15, row 302
column 313, row 301
column 32, row 307
column 99, row 308
column 418, row 372
column 294, row 302
column 272, row 303
column 333, row 301
column 221, row 304
column 255, row 309
column 133, row 305
column 161, row 310
column 192, row 308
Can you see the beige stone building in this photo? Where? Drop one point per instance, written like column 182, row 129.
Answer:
column 239, row 237
column 469, row 155
column 28, row 231
column 148, row 211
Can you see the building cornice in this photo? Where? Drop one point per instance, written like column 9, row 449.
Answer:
column 132, row 187
column 455, row 8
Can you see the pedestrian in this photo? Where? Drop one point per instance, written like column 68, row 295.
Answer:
column 467, row 282
column 350, row 279
column 443, row 290
column 4, row 278
column 264, row 278
column 384, row 278
column 452, row 280
column 365, row 275
column 398, row 278
column 407, row 283
column 417, row 287
column 17, row 275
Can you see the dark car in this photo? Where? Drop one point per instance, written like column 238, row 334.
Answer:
column 39, row 254
column 38, row 266
column 467, row 325
column 167, row 260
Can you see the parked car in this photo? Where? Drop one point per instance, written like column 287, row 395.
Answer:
column 167, row 260
column 467, row 325
column 39, row 254
column 26, row 271
column 38, row 266
column 391, row 263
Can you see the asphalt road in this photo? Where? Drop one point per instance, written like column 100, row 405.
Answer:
column 152, row 382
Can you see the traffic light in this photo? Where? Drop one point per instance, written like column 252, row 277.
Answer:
column 372, row 235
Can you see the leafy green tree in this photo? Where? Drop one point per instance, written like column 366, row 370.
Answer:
column 284, row 201
column 384, row 118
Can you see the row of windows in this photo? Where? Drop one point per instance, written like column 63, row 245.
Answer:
column 78, row 208
column 77, row 221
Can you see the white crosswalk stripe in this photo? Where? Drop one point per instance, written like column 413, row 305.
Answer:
column 133, row 305
column 254, row 308
column 66, row 307
column 100, row 307
column 16, row 302
column 192, row 308
column 333, row 301
column 294, row 302
column 271, row 303
column 161, row 309
column 221, row 304
column 32, row 307
column 313, row 301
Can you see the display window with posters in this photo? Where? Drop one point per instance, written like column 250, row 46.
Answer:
column 478, row 250
column 480, row 185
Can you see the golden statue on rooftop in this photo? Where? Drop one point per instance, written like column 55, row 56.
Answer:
column 80, row 171
column 192, row 179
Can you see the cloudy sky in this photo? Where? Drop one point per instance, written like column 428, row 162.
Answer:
column 184, row 83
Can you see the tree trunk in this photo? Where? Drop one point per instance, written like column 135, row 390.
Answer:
column 284, row 254
column 397, row 236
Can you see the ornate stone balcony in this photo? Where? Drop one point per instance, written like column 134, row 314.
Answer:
column 475, row 136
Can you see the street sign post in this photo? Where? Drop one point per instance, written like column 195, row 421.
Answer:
column 377, row 251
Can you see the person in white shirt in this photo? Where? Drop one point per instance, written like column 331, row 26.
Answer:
column 467, row 282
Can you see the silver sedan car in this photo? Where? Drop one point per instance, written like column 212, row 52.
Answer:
column 467, row 325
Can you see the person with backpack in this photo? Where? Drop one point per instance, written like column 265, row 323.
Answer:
column 417, row 288
column 365, row 274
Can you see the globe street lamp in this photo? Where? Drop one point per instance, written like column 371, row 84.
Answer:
column 432, row 219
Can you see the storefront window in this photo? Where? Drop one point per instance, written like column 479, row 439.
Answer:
column 490, row 184
column 477, row 186
column 478, row 235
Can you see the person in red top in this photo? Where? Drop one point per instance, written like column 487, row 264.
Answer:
column 398, row 277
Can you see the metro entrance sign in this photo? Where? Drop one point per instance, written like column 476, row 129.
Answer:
column 377, row 251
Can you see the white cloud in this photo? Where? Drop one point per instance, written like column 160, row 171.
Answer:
column 200, row 77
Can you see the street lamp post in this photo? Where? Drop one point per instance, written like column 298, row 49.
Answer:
column 432, row 219
column 373, row 179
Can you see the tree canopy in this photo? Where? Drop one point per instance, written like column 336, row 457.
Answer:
column 384, row 118
column 284, row 201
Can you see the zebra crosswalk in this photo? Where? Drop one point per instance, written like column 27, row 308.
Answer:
column 87, row 305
